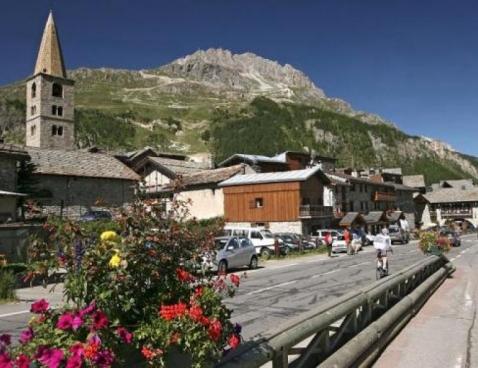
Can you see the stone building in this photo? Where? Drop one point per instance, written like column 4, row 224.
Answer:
column 50, row 97
column 70, row 181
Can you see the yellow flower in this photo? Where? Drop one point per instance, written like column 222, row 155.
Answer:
column 109, row 236
column 115, row 261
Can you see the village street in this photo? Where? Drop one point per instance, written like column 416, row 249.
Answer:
column 269, row 295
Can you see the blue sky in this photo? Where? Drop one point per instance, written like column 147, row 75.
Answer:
column 412, row 62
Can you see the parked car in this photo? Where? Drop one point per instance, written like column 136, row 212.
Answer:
column 290, row 241
column 397, row 234
column 230, row 252
column 96, row 215
column 452, row 236
column 338, row 243
column 321, row 234
column 262, row 239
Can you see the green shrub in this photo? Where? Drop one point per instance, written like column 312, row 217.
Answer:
column 14, row 268
column 7, row 285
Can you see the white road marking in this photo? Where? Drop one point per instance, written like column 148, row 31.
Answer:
column 359, row 264
column 14, row 313
column 458, row 256
column 452, row 259
column 271, row 287
column 325, row 273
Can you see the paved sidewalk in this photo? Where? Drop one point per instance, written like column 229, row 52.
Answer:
column 443, row 334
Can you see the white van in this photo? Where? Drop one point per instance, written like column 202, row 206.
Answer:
column 262, row 239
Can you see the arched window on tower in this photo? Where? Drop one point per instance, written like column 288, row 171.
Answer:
column 60, row 130
column 53, row 130
column 33, row 110
column 57, row 90
column 33, row 129
column 34, row 90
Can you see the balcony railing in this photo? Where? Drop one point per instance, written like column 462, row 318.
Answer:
column 384, row 197
column 313, row 211
column 454, row 212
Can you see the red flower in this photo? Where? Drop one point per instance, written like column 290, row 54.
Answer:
column 77, row 349
column 169, row 312
column 151, row 354
column 91, row 350
column 235, row 279
column 65, row 322
column 215, row 330
column 233, row 341
column 196, row 313
column 124, row 335
column 40, row 306
column 198, row 292
column 100, row 320
column 22, row 361
column 183, row 275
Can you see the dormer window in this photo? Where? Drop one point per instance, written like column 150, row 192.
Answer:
column 34, row 90
column 57, row 90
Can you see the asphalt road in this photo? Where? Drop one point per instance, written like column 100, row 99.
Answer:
column 280, row 291
column 271, row 294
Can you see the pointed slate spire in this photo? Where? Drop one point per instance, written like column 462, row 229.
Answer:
column 50, row 57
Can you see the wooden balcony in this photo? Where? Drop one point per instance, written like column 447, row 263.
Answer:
column 314, row 211
column 384, row 197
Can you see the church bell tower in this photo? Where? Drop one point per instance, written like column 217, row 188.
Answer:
column 50, row 97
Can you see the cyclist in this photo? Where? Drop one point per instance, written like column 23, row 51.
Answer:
column 383, row 244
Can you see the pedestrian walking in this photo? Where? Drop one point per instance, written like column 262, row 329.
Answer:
column 328, row 243
column 347, row 239
column 276, row 247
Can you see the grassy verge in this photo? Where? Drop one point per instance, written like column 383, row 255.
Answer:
column 296, row 254
column 7, row 287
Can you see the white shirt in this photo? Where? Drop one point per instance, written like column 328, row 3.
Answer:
column 382, row 242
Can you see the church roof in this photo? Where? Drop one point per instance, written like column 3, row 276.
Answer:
column 79, row 163
column 50, row 58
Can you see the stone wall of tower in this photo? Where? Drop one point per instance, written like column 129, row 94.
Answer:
column 41, row 121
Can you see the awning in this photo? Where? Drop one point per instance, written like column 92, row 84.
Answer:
column 4, row 193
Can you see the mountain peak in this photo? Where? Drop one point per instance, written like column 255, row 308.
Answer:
column 247, row 73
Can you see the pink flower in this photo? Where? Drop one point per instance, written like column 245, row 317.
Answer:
column 52, row 358
column 124, row 335
column 105, row 359
column 5, row 361
column 65, row 322
column 77, row 349
column 5, row 339
column 40, row 306
column 77, row 322
column 74, row 361
column 88, row 310
column 100, row 320
column 26, row 336
column 22, row 361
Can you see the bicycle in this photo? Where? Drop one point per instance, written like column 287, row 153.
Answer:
column 380, row 271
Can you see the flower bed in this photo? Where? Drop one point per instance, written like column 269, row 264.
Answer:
column 433, row 243
column 134, row 292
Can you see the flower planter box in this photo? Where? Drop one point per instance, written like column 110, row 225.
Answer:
column 435, row 251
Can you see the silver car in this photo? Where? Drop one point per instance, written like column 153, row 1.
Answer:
column 231, row 252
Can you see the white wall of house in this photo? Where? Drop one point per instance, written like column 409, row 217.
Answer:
column 155, row 178
column 329, row 196
column 204, row 203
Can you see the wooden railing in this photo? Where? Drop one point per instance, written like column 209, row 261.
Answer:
column 454, row 212
column 311, row 211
